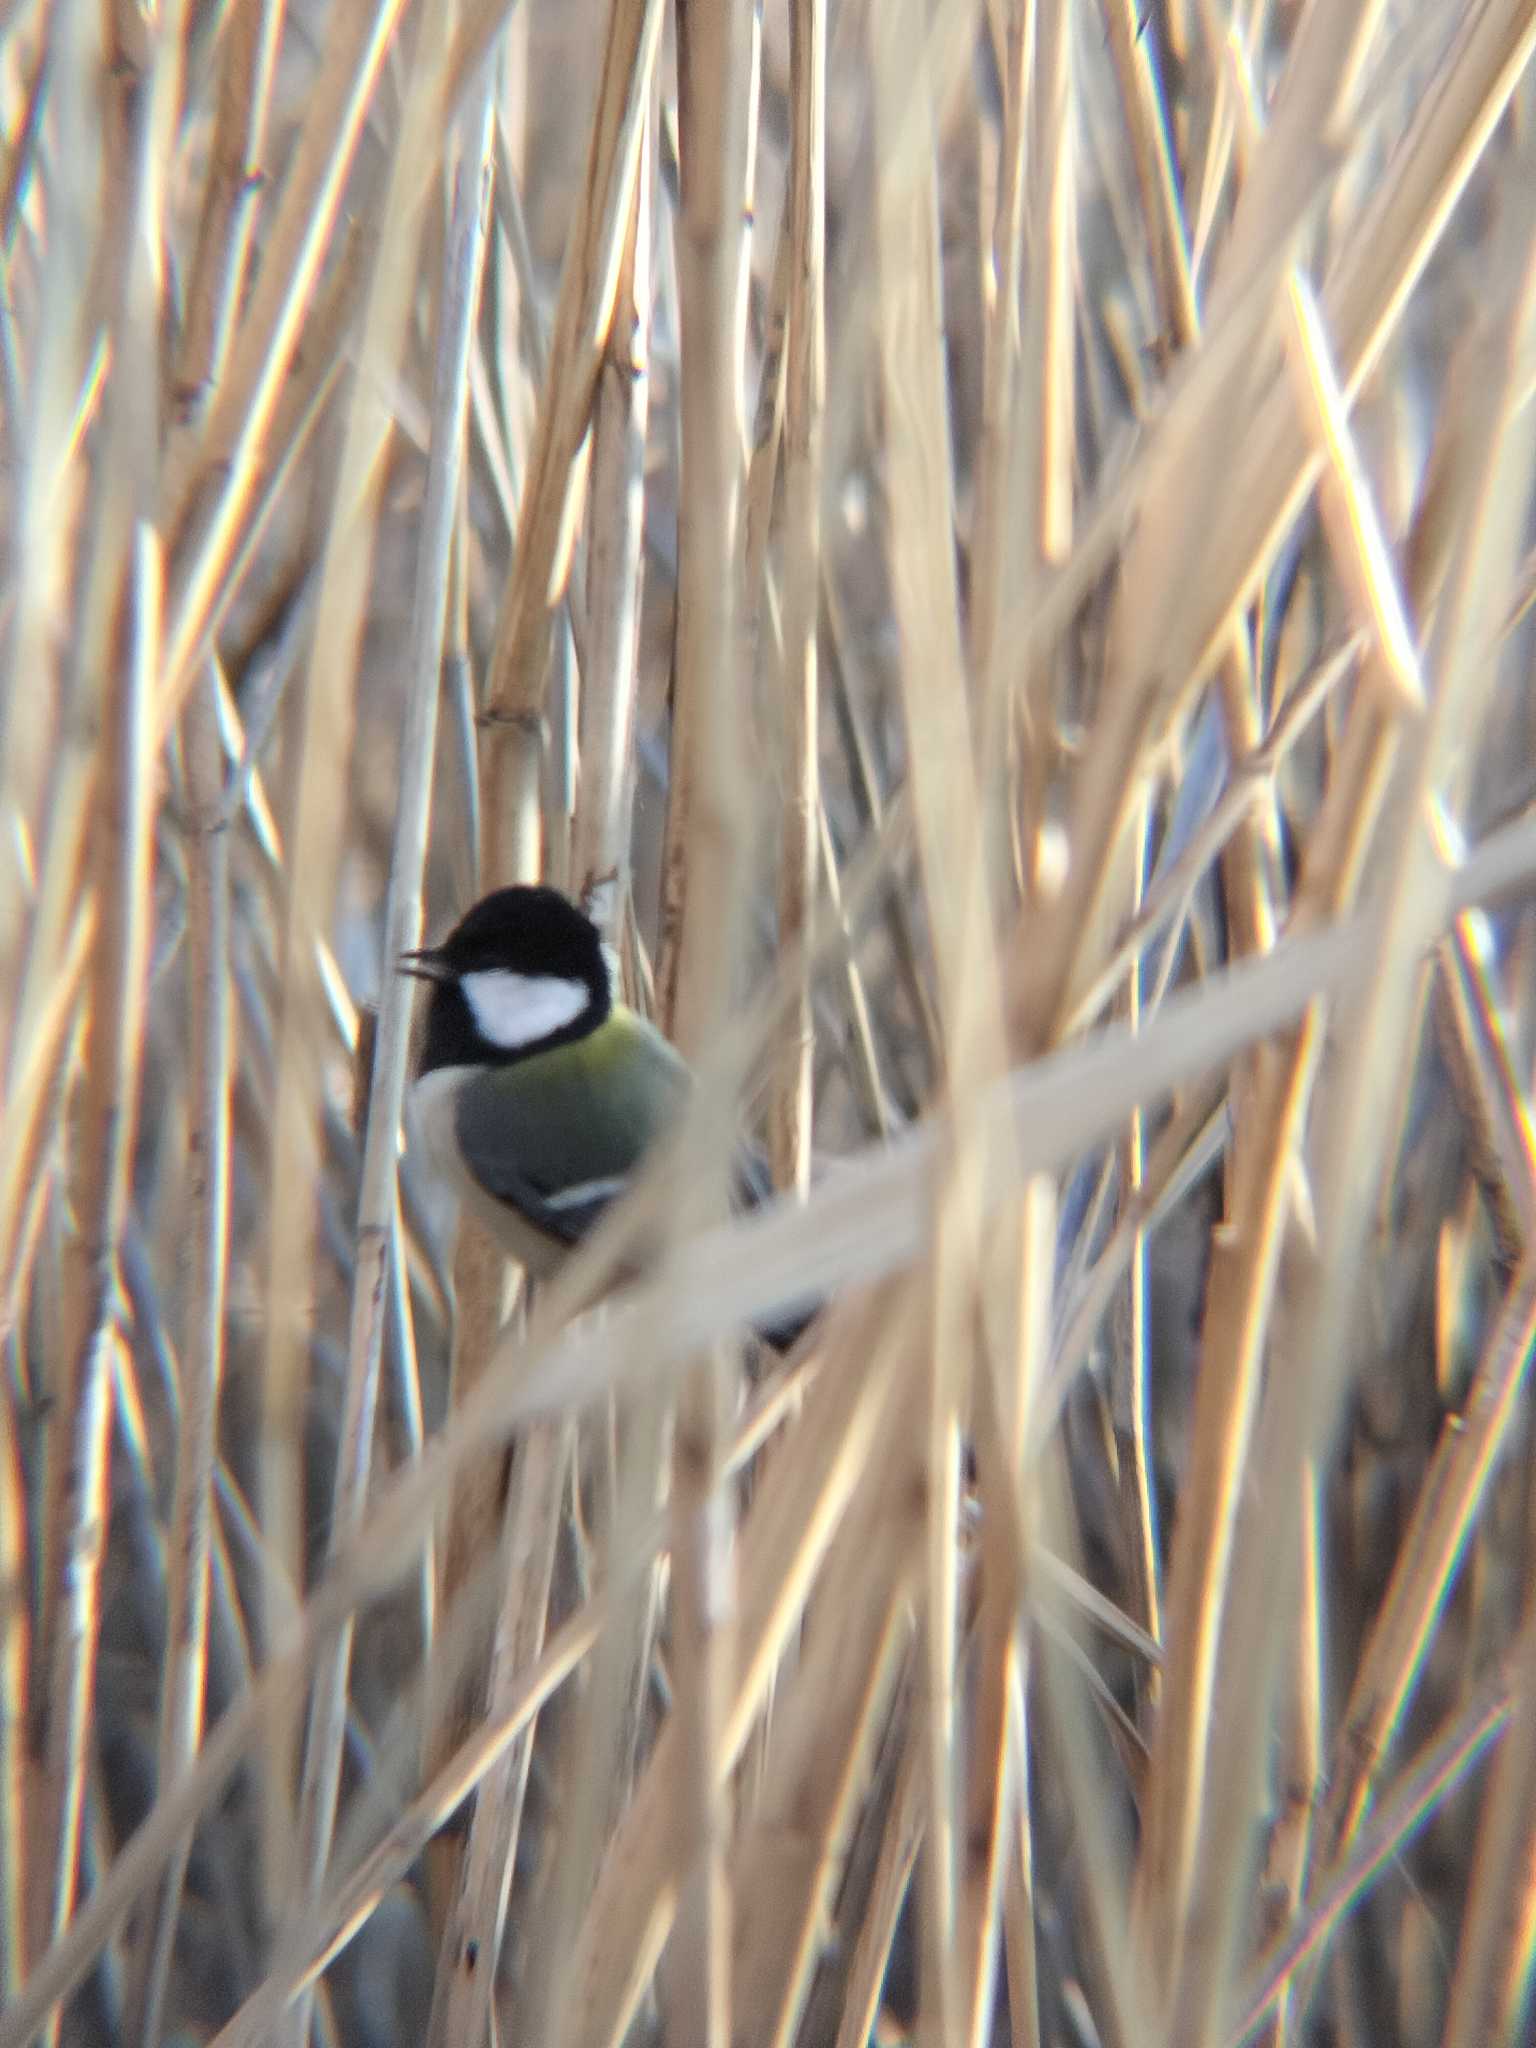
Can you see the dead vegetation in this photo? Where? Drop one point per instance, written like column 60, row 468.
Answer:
column 991, row 544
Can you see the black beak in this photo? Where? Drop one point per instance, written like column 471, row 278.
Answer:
column 427, row 965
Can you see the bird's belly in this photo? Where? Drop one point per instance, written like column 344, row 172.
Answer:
column 430, row 1128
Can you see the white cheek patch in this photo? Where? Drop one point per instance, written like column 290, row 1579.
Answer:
column 519, row 1009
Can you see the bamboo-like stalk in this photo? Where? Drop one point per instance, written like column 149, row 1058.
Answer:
column 1433, row 1775
column 122, row 611
column 191, row 1532
column 15, row 1676
column 462, row 2002
column 601, row 834
column 589, row 280
column 601, row 1746
column 328, row 722
column 1434, row 1541
column 402, row 929
column 214, row 287
column 228, row 444
column 230, row 194
column 893, row 1872
column 211, row 558
column 827, row 1718
column 804, row 398
column 1291, row 1844
column 709, row 819
column 1490, row 1990
column 949, row 807
column 784, row 1538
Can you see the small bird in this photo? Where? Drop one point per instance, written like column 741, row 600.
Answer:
column 539, row 1094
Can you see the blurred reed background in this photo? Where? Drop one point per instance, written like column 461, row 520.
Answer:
column 992, row 544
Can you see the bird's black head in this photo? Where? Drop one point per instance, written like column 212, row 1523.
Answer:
column 521, row 972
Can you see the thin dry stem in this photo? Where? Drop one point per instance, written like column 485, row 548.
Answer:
column 402, row 931
column 190, row 1537
column 804, row 399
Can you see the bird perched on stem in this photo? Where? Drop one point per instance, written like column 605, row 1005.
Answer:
column 539, row 1094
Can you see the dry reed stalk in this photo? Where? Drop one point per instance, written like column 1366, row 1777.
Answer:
column 15, row 1674
column 68, row 367
column 1432, row 1775
column 121, row 570
column 296, row 1846
column 709, row 822
column 228, row 221
column 213, row 290
column 827, row 1719
column 462, row 1998
column 603, row 827
column 190, row 1538
column 784, row 1537
column 888, row 1885
column 1024, row 508
column 1490, row 1992
column 402, row 930
column 908, row 71
column 514, row 700
column 212, row 556
column 804, row 240
column 589, row 281
column 600, row 1747
column 225, row 448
